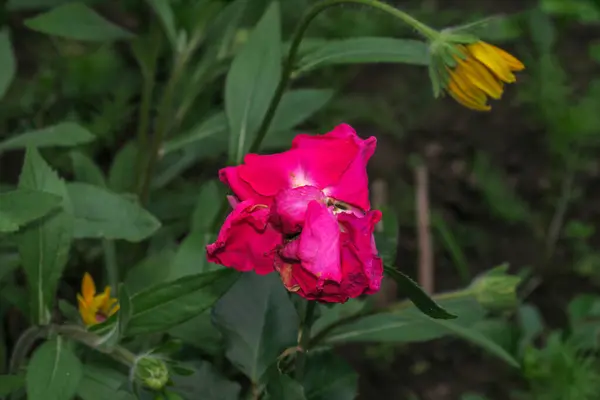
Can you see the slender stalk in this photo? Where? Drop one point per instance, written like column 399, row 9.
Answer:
column 24, row 346
column 288, row 68
column 91, row 340
column 162, row 127
column 304, row 337
column 148, row 70
column 165, row 112
column 315, row 10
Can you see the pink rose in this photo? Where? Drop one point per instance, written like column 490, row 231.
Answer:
column 305, row 212
column 334, row 258
column 334, row 163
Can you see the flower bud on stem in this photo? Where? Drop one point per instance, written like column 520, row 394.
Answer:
column 150, row 371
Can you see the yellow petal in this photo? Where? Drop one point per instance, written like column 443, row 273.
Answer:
column 113, row 309
column 492, row 59
column 88, row 288
column 462, row 98
column 478, row 75
column 88, row 314
column 467, row 88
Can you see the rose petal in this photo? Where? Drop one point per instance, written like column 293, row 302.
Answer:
column 353, row 185
column 246, row 241
column 318, row 247
column 289, row 208
column 358, row 242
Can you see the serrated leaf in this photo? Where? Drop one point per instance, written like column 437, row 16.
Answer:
column 252, row 81
column 44, row 245
column 414, row 292
column 8, row 65
column 22, row 206
column 365, row 50
column 164, row 306
column 65, row 134
column 258, row 322
column 86, row 170
column 76, row 21
column 100, row 213
column 54, row 372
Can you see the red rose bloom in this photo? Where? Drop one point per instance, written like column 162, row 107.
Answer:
column 306, row 214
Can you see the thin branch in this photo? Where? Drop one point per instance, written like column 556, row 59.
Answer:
column 426, row 272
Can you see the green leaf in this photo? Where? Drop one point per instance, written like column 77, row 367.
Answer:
column 365, row 50
column 215, row 125
column 329, row 378
column 252, row 81
column 284, row 387
column 207, row 206
column 200, row 333
column 414, row 292
column 190, row 257
column 121, row 177
column 54, row 372
column 86, row 170
column 152, row 270
column 44, row 245
column 113, row 337
column 206, row 383
column 164, row 306
column 258, row 321
column 10, row 383
column 100, row 213
column 99, row 383
column 296, row 107
column 65, row 134
column 407, row 324
column 401, row 325
column 76, row 21
column 165, row 13
column 22, row 206
column 8, row 65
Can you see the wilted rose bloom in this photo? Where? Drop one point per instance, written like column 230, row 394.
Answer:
column 305, row 213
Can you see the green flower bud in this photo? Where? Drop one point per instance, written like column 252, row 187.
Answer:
column 151, row 371
column 496, row 290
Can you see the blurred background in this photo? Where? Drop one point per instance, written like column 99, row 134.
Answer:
column 517, row 185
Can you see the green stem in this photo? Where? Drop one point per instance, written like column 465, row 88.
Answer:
column 162, row 126
column 163, row 123
column 90, row 339
column 304, row 337
column 315, row 10
column 391, row 308
column 288, row 68
column 24, row 346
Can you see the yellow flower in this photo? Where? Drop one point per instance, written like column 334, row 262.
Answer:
column 479, row 73
column 93, row 308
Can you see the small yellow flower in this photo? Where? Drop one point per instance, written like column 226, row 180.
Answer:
column 93, row 308
column 480, row 73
